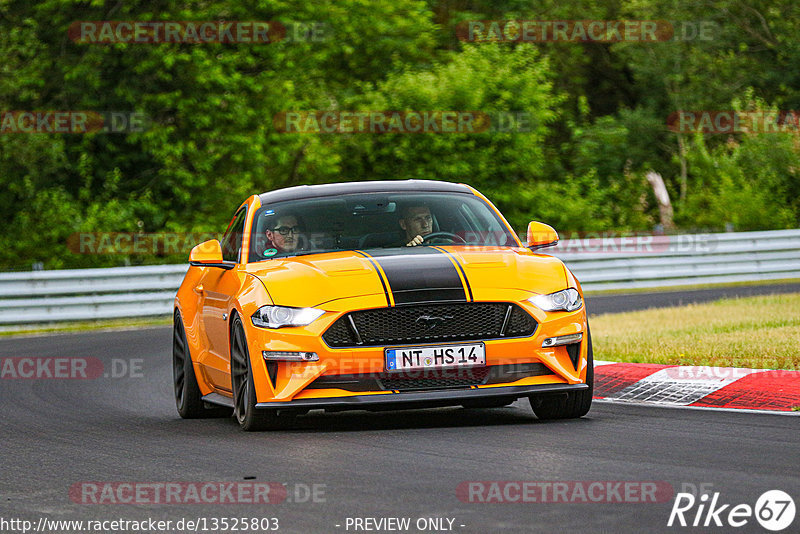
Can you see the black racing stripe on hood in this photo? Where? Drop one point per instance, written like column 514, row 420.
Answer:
column 463, row 273
column 419, row 275
column 378, row 272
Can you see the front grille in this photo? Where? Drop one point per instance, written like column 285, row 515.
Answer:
column 429, row 323
column 519, row 324
column 411, row 380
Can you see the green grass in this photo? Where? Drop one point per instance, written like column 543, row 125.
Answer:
column 757, row 332
column 690, row 287
column 83, row 326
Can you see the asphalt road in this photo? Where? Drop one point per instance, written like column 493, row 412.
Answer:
column 57, row 434
column 597, row 304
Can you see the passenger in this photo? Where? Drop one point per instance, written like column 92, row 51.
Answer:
column 285, row 234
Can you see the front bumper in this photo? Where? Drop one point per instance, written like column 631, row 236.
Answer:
column 424, row 398
column 283, row 383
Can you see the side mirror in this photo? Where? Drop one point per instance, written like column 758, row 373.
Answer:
column 208, row 254
column 541, row 235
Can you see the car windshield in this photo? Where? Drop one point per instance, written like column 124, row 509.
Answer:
column 374, row 220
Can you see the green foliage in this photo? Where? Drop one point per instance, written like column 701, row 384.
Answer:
column 489, row 79
column 737, row 183
column 596, row 116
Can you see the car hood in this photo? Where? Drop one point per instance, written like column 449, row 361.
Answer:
column 408, row 276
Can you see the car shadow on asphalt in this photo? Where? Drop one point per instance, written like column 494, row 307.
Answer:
column 448, row 417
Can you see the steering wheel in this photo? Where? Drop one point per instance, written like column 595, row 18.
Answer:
column 452, row 237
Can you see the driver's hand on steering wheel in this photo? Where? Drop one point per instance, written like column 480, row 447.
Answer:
column 416, row 241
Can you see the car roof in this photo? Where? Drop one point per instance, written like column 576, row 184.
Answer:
column 344, row 188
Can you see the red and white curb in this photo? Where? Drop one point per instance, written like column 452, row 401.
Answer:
column 698, row 386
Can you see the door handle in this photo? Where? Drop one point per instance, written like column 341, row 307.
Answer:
column 199, row 289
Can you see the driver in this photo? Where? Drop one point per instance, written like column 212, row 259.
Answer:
column 285, row 234
column 417, row 222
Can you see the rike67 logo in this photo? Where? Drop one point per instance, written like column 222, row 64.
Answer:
column 774, row 510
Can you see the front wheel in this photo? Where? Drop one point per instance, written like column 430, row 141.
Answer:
column 247, row 415
column 572, row 404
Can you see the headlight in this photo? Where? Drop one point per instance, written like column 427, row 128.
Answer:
column 565, row 300
column 280, row 316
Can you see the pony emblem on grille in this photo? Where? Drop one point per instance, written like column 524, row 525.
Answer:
column 429, row 322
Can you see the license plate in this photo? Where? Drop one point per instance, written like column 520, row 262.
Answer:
column 435, row 357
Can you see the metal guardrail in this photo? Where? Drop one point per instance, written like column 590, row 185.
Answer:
column 663, row 261
column 88, row 294
column 599, row 263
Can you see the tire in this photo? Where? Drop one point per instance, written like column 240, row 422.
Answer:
column 244, row 392
column 188, row 398
column 572, row 404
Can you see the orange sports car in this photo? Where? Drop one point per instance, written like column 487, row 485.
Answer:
column 377, row 295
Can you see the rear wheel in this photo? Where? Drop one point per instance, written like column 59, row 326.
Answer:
column 572, row 404
column 188, row 398
column 244, row 392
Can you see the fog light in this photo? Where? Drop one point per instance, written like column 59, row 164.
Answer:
column 286, row 356
column 562, row 340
